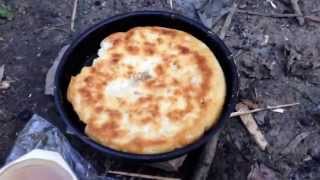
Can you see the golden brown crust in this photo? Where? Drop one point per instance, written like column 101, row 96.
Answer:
column 151, row 90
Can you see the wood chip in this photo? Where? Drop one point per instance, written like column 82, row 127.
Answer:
column 252, row 126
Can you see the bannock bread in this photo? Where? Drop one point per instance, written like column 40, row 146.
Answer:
column 150, row 90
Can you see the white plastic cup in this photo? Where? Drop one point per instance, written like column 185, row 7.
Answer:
column 38, row 165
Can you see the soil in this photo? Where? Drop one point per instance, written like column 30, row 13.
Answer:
column 283, row 70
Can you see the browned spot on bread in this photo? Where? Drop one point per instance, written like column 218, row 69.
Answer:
column 183, row 49
column 146, row 120
column 159, row 40
column 85, row 93
column 165, row 31
column 149, row 48
column 159, row 70
column 132, row 49
column 177, row 115
column 154, row 110
column 116, row 55
column 92, row 70
column 175, row 82
column 144, row 99
column 114, row 114
column 116, row 42
column 88, row 79
column 99, row 96
column 206, row 74
column 98, row 109
column 114, row 60
column 129, row 34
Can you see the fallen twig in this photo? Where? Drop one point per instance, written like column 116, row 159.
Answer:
column 297, row 10
column 239, row 113
column 52, row 27
column 277, row 15
column 313, row 18
column 315, row 10
column 273, row 5
column 296, row 141
column 206, row 158
column 1, row 72
column 141, row 175
column 227, row 23
column 74, row 13
column 252, row 127
column 274, row 15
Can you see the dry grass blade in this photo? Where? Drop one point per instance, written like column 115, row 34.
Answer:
column 74, row 14
column 239, row 113
column 227, row 23
column 171, row 4
column 144, row 176
column 296, row 141
column 1, row 72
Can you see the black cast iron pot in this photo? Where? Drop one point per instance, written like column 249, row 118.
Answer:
column 84, row 49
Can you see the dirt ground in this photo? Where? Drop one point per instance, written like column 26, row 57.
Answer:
column 278, row 62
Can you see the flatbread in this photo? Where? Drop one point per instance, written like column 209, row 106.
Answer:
column 151, row 90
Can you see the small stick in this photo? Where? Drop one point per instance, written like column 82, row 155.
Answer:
column 206, row 157
column 277, row 15
column 227, row 23
column 74, row 13
column 315, row 10
column 297, row 10
column 252, row 126
column 296, row 141
column 313, row 18
column 235, row 114
column 141, row 175
column 274, row 15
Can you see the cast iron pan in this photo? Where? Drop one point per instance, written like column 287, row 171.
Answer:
column 84, row 49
